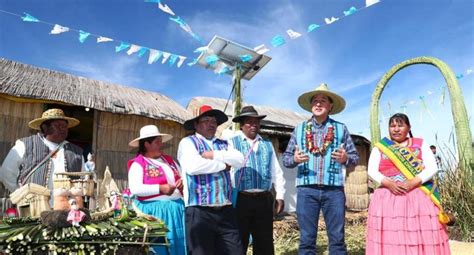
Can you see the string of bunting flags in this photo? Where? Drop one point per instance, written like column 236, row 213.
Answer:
column 177, row 19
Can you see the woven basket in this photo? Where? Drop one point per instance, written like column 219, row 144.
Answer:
column 357, row 177
column 357, row 202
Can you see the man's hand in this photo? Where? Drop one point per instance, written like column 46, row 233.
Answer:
column 279, row 206
column 412, row 184
column 395, row 187
column 340, row 154
column 167, row 189
column 208, row 155
column 299, row 156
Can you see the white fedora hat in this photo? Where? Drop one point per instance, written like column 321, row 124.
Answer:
column 149, row 131
column 338, row 103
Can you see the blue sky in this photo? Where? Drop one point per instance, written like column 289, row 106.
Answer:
column 350, row 55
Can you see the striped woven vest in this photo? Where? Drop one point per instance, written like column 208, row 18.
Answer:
column 36, row 150
column 320, row 169
column 209, row 189
column 256, row 174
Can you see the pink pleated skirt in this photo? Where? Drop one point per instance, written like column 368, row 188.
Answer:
column 406, row 224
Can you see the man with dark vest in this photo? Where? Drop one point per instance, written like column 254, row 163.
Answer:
column 35, row 158
column 254, row 182
column 322, row 148
column 210, row 221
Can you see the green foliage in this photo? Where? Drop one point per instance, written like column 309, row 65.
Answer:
column 457, row 196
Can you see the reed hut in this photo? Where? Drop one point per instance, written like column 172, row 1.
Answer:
column 111, row 115
column 278, row 126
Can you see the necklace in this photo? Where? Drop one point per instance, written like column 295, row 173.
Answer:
column 311, row 145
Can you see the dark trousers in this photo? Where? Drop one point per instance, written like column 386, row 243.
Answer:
column 255, row 217
column 212, row 230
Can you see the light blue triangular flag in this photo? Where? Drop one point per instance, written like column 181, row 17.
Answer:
column 172, row 59
column 153, row 1
column 278, row 41
column 178, row 20
column 123, row 46
column 351, row 10
column 142, row 51
column 212, row 59
column 29, row 18
column 193, row 62
column 459, row 76
column 83, row 36
column 223, row 70
column 245, row 57
column 312, row 27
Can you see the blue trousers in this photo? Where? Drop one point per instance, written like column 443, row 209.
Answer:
column 311, row 199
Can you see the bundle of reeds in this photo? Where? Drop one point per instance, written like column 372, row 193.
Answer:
column 26, row 235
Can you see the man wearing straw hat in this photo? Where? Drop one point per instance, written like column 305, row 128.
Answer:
column 211, row 226
column 254, row 183
column 34, row 159
column 321, row 148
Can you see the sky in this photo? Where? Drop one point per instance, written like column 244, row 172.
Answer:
column 351, row 55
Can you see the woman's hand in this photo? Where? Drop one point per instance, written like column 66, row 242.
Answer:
column 394, row 187
column 179, row 185
column 167, row 189
column 412, row 184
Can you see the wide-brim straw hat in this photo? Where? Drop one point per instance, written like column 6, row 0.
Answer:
column 248, row 111
column 149, row 131
column 53, row 114
column 338, row 103
column 205, row 110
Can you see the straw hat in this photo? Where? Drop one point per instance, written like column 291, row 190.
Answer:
column 206, row 110
column 53, row 114
column 338, row 103
column 248, row 111
column 149, row 131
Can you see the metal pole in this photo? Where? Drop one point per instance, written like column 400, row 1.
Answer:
column 237, row 95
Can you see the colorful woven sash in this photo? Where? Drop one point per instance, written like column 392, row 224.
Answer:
column 409, row 165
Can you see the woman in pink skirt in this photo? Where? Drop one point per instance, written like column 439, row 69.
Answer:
column 403, row 213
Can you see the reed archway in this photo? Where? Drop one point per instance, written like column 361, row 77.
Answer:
column 458, row 108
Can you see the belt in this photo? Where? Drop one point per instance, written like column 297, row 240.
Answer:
column 215, row 208
column 255, row 194
column 322, row 186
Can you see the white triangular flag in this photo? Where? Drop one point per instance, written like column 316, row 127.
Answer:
column 370, row 2
column 154, row 56
column 166, row 9
column 181, row 61
column 57, row 29
column 261, row 49
column 104, row 39
column 166, row 55
column 134, row 48
column 331, row 20
column 292, row 34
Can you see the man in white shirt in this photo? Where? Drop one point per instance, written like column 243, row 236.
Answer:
column 35, row 158
column 211, row 226
column 254, row 183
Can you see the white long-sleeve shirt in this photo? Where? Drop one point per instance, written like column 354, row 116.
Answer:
column 138, row 188
column 429, row 162
column 11, row 165
column 277, row 174
column 192, row 163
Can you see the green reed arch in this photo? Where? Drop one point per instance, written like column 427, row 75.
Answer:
column 458, row 108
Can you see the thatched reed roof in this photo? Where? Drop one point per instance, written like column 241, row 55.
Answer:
column 278, row 121
column 25, row 81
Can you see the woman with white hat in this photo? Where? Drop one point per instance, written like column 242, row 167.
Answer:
column 154, row 178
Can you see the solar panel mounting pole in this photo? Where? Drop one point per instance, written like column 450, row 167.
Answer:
column 237, row 95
